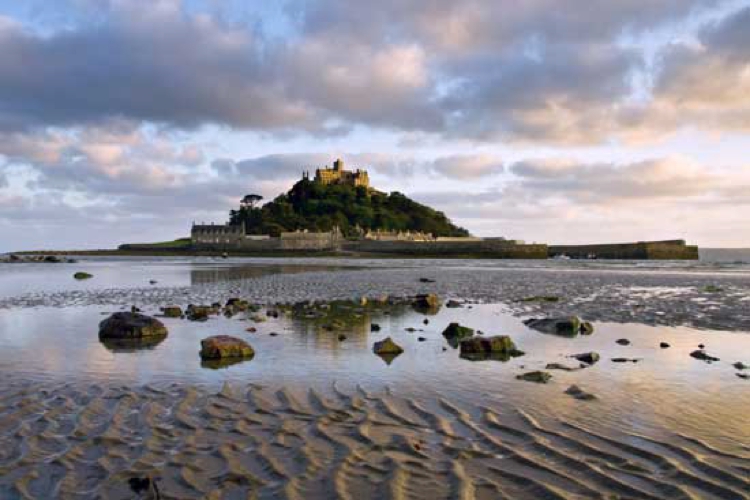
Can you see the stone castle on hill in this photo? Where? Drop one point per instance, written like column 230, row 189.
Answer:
column 339, row 175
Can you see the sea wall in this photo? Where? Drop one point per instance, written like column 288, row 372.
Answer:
column 642, row 250
column 472, row 248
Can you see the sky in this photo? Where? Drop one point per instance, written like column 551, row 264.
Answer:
column 553, row 121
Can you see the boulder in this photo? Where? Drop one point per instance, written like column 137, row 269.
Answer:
column 225, row 346
column 172, row 311
column 80, row 275
column 499, row 344
column 565, row 327
column 387, row 346
column 579, row 393
column 428, row 302
column 703, row 356
column 456, row 332
column 199, row 313
column 128, row 325
column 587, row 357
column 538, row 376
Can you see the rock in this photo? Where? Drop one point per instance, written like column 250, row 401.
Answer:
column 374, row 327
column 387, row 346
column 272, row 313
column 625, row 360
column 456, row 331
column 225, row 346
column 701, row 346
column 426, row 280
column 712, row 289
column 537, row 376
column 341, row 337
column 566, row 327
column 172, row 311
column 499, row 344
column 410, row 329
column 198, row 313
column 703, row 356
column 257, row 318
column 744, row 376
column 152, row 282
column 453, row 304
column 541, row 298
column 429, row 303
column 52, row 259
column 273, row 334
column 664, row 345
column 623, row 341
column 128, row 325
column 741, row 366
column 80, row 275
column 237, row 304
column 587, row 357
column 252, row 329
column 579, row 393
column 426, row 321
column 421, row 339
column 560, row 366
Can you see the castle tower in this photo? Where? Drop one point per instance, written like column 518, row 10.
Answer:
column 338, row 165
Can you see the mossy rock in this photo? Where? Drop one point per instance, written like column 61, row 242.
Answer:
column 538, row 377
column 387, row 346
column 456, row 331
column 589, row 358
column 225, row 346
column 130, row 325
column 80, row 275
column 712, row 289
column 427, row 303
column 499, row 347
column 172, row 311
column 570, row 326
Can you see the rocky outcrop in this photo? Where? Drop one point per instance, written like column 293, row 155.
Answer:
column 128, row 325
column 225, row 346
column 566, row 327
column 497, row 347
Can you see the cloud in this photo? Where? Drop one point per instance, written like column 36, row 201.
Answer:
column 468, row 166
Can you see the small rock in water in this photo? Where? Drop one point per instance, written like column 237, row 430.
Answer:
column 625, row 360
column 421, row 339
column 252, row 329
column 579, row 393
column 80, row 275
column 701, row 346
column 387, row 346
column 152, row 282
column 410, row 329
column 172, row 311
column 566, row 327
column 456, row 331
column 623, row 341
column 225, row 346
column 426, row 280
column 703, row 356
column 560, row 366
column 743, row 376
column 342, row 337
column 741, row 366
column 587, row 357
column 273, row 334
column 426, row 321
column 134, row 309
column 453, row 304
column 664, row 345
column 374, row 327
column 537, row 376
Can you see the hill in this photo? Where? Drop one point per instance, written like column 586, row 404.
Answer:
column 316, row 206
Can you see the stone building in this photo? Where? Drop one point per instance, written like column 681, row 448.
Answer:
column 232, row 237
column 338, row 175
column 217, row 234
column 380, row 235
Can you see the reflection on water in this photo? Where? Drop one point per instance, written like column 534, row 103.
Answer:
column 217, row 364
column 215, row 274
column 132, row 345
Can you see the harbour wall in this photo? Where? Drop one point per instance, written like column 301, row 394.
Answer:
column 642, row 250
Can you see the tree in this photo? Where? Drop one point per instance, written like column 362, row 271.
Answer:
column 250, row 200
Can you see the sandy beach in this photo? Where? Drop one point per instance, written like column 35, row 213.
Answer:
column 317, row 415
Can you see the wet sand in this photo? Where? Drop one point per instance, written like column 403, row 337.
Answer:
column 253, row 442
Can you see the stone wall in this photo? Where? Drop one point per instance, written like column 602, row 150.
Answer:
column 642, row 250
column 480, row 249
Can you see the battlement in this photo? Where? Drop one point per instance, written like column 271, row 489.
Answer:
column 339, row 175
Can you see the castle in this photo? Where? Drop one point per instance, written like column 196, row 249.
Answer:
column 337, row 175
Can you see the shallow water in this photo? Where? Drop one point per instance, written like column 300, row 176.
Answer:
column 668, row 426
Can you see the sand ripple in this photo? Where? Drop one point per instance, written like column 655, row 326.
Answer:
column 250, row 442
